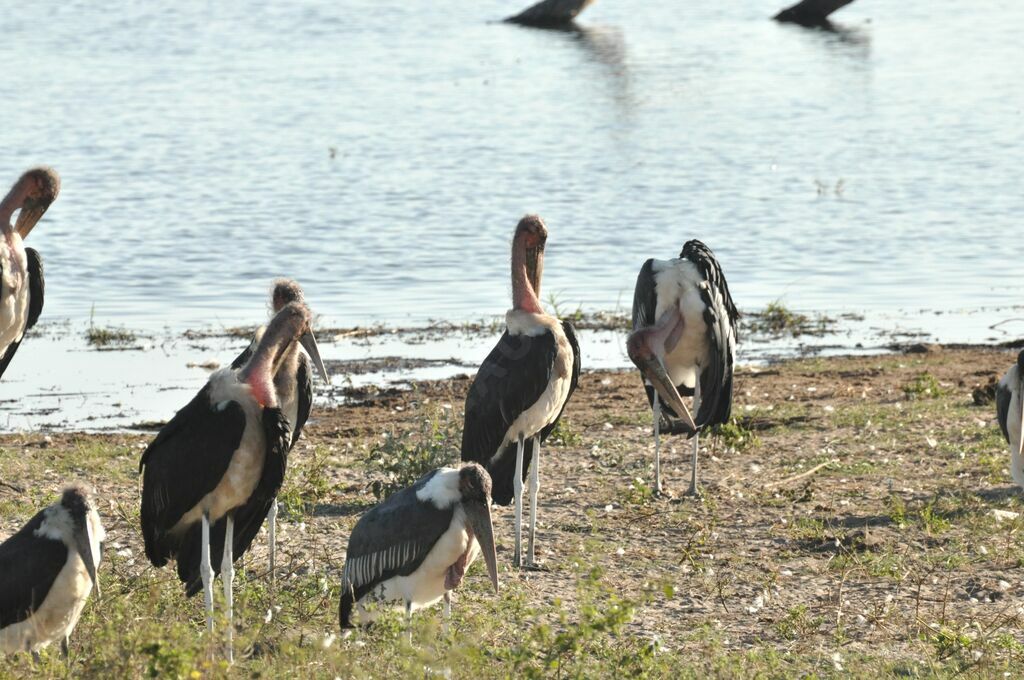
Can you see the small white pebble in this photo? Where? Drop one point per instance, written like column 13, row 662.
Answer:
column 269, row 616
column 609, row 508
column 829, row 409
column 609, row 426
column 983, row 550
column 1003, row 586
column 620, row 552
column 327, row 641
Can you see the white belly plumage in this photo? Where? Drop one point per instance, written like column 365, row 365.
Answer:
column 58, row 614
column 425, row 586
column 13, row 292
column 545, row 410
column 677, row 290
column 246, row 467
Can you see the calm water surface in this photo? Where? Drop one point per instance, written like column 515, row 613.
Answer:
column 194, row 145
column 381, row 152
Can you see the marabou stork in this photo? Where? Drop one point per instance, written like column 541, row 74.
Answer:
column 684, row 341
column 220, row 462
column 522, row 386
column 1010, row 413
column 47, row 571
column 21, row 268
column 415, row 547
column 293, row 383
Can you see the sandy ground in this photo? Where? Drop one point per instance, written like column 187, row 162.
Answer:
column 864, row 506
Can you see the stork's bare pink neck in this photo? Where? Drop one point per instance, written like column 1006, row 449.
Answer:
column 525, row 296
column 282, row 330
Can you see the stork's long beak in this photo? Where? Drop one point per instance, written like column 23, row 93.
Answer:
column 654, row 371
column 83, row 544
column 479, row 516
column 309, row 343
column 31, row 212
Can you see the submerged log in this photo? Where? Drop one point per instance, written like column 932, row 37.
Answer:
column 811, row 13
column 550, row 13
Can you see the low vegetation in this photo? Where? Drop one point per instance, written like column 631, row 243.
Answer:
column 846, row 530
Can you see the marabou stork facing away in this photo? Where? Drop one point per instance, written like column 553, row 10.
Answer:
column 415, row 547
column 47, row 571
column 1010, row 413
column 522, row 386
column 21, row 268
column 212, row 473
column 684, row 341
column 293, row 383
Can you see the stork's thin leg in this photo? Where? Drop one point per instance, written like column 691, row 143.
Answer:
column 408, row 621
column 534, row 489
column 206, row 571
column 696, row 437
column 447, row 610
column 227, row 575
column 517, row 487
column 657, row 443
column 272, row 538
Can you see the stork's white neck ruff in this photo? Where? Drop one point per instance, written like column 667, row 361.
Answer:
column 442, row 490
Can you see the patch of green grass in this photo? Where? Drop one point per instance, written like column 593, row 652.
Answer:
column 403, row 457
column 923, row 386
column 307, row 486
column 564, row 434
column 107, row 337
column 735, row 436
column 776, row 319
column 798, row 623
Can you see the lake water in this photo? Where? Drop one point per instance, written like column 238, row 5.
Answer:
column 381, row 153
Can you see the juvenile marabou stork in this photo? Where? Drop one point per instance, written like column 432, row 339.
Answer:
column 293, row 383
column 212, row 473
column 415, row 547
column 684, row 341
column 47, row 572
column 522, row 386
column 1010, row 413
column 21, row 268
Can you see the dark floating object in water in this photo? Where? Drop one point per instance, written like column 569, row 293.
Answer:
column 811, row 13
column 551, row 13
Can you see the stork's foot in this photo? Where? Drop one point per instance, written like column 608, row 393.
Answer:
column 663, row 494
column 536, row 566
column 694, row 492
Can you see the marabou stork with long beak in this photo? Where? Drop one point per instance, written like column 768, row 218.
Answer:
column 47, row 572
column 21, row 268
column 522, row 386
column 684, row 341
column 415, row 547
column 212, row 473
column 1010, row 413
column 293, row 383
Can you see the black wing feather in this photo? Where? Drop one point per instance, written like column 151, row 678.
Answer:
column 392, row 539
column 36, row 286
column 510, row 380
column 29, row 565
column 720, row 317
column 645, row 297
column 249, row 517
column 185, row 461
column 1003, row 397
